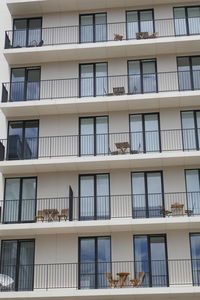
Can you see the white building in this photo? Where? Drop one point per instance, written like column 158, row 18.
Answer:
column 99, row 150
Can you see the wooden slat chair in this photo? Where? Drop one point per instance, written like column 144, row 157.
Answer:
column 64, row 214
column 112, row 282
column 40, row 215
column 138, row 281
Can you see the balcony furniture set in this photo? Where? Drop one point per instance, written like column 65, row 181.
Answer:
column 146, row 35
column 122, row 279
column 118, row 37
column 50, row 215
column 177, row 209
column 122, row 148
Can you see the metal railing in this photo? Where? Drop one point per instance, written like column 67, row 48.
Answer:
column 17, row 148
column 92, row 275
column 137, row 206
column 103, row 86
column 102, row 32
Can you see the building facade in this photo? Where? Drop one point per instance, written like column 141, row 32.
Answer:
column 99, row 149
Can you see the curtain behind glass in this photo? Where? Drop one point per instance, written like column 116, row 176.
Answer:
column 28, row 204
column 152, row 141
column 184, row 75
column 86, row 29
column 102, row 196
column 101, row 79
column 100, row 28
column 102, row 135
column 87, row 198
column 132, row 24
column 189, row 132
column 195, row 253
column 87, row 136
column 19, row 33
column 180, row 21
column 87, row 80
column 138, row 197
column 193, row 191
column 194, row 19
column 11, row 201
column 34, row 32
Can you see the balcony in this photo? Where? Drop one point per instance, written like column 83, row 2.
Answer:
column 162, row 36
column 108, row 93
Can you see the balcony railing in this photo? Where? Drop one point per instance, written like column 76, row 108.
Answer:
column 17, row 148
column 101, row 32
column 157, row 273
column 103, row 86
column 137, row 206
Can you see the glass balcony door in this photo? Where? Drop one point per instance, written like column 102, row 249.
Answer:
column 20, row 200
column 142, row 76
column 139, row 21
column 187, row 20
column 94, row 262
column 189, row 73
column 191, row 129
column 195, row 255
column 94, row 197
column 94, row 136
column 25, row 84
column 147, row 194
column 193, row 191
column 93, row 28
column 22, row 140
column 145, row 133
column 27, row 32
column 17, row 262
column 151, row 257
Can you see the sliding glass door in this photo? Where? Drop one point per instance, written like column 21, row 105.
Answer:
column 17, row 262
column 20, row 200
column 94, row 262
column 189, row 72
column 151, row 258
column 93, row 28
column 139, row 21
column 195, row 256
column 147, row 194
column 187, row 20
column 191, row 130
column 94, row 197
column 193, row 191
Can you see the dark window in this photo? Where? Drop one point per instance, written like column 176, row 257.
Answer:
column 94, row 135
column 151, row 257
column 93, row 28
column 187, row 20
column 147, row 194
column 191, row 129
column 145, row 132
column 17, row 262
column 189, row 73
column 20, row 200
column 195, row 255
column 25, row 84
column 27, row 32
column 93, row 79
column 94, row 262
column 23, row 140
column 193, row 191
column 142, row 76
column 94, row 197
column 139, row 21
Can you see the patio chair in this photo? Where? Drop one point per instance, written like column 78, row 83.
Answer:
column 113, row 152
column 64, row 214
column 118, row 37
column 40, row 215
column 153, row 35
column 138, row 281
column 112, row 282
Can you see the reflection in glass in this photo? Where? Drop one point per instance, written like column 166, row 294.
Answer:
column 187, row 20
column 93, row 28
column 195, row 253
column 193, row 191
column 189, row 73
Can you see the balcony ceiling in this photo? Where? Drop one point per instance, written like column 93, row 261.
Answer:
column 25, row 7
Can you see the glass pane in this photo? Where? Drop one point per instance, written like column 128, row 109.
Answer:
column 31, row 140
column 20, row 33
column 87, row 80
column 149, row 76
column 194, row 19
column 196, row 72
column 86, row 28
column 87, row 263
column 100, row 28
column 134, row 77
column 33, row 84
column 17, row 85
column 101, row 79
column 184, row 75
column 11, row 202
column 136, row 133
column 155, row 198
column 87, row 136
column 195, row 253
column 132, row 24
column 101, row 135
column 34, row 32
column 139, row 198
column 103, row 199
column 193, row 191
column 146, row 21
column 180, row 21
column 158, row 261
column 189, row 134
column 15, row 140
column 26, row 266
column 142, row 258
column 198, row 127
column 151, row 133
column 28, row 199
column 87, row 198
column 104, row 261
